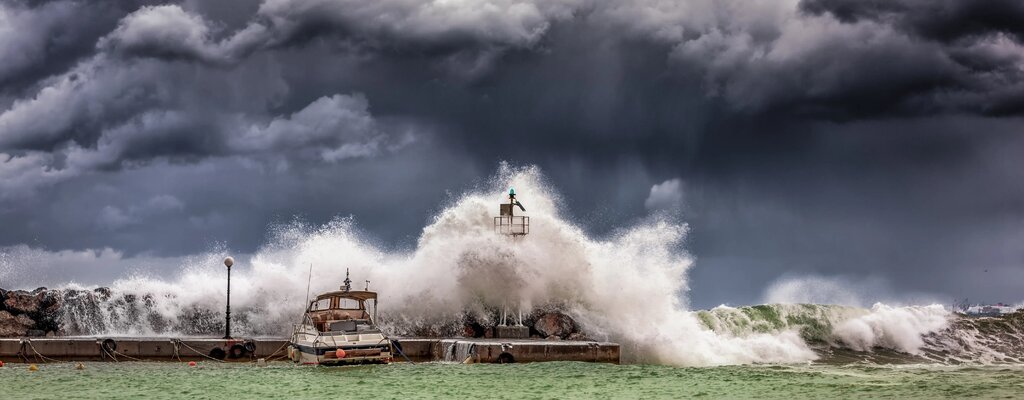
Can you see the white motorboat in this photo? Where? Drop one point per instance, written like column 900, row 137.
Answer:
column 338, row 328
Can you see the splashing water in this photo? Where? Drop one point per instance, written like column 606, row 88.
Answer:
column 628, row 288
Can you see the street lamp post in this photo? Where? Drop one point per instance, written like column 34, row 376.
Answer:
column 228, row 262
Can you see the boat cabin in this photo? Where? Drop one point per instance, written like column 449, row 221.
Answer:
column 343, row 312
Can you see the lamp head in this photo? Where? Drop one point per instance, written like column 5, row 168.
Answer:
column 228, row 262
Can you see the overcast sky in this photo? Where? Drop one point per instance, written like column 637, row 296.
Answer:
column 877, row 143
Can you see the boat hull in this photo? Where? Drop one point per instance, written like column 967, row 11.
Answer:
column 329, row 356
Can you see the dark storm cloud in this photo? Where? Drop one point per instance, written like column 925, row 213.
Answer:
column 980, row 42
column 939, row 20
column 806, row 137
column 40, row 38
column 165, row 32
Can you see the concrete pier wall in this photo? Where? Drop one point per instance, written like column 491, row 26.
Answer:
column 194, row 349
column 511, row 350
column 127, row 349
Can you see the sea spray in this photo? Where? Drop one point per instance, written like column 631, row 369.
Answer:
column 898, row 328
column 628, row 287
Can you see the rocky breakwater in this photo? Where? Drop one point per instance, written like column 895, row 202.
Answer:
column 35, row 313
column 59, row 312
column 101, row 311
column 550, row 324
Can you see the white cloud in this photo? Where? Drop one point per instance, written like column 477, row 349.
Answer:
column 666, row 196
column 165, row 31
column 330, row 128
column 168, row 31
column 515, row 23
column 25, row 33
column 21, row 175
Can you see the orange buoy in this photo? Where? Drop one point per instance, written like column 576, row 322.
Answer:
column 33, row 367
column 340, row 353
column 191, row 363
column 1, row 364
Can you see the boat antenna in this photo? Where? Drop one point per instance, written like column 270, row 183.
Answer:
column 308, row 280
column 348, row 282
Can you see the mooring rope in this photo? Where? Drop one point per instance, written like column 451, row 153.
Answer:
column 177, row 354
column 107, row 352
column 280, row 357
column 199, row 353
column 269, row 356
column 23, row 351
column 399, row 348
column 40, row 355
column 126, row 356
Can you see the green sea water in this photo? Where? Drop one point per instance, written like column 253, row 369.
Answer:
column 555, row 380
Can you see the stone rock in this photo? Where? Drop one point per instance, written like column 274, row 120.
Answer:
column 21, row 302
column 577, row 336
column 24, row 320
column 11, row 326
column 553, row 337
column 35, row 333
column 102, row 292
column 50, row 301
column 554, row 324
column 49, row 314
column 468, row 331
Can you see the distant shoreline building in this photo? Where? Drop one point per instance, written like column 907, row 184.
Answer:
column 989, row 310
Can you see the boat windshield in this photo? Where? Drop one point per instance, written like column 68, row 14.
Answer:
column 336, row 303
column 348, row 304
column 329, row 308
column 321, row 305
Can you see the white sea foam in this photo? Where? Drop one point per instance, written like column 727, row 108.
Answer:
column 629, row 287
column 898, row 328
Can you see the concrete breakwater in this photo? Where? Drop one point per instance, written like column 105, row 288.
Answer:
column 53, row 325
column 42, row 350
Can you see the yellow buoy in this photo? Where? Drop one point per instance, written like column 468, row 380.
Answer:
column 80, row 366
column 33, row 367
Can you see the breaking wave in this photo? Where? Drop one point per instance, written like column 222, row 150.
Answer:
column 882, row 333
column 629, row 287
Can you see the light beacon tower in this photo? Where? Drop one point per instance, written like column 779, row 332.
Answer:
column 507, row 223
column 514, row 227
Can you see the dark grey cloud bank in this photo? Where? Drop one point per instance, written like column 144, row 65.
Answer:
column 876, row 139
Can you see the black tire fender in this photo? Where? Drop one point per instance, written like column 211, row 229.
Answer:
column 237, row 351
column 109, row 345
column 506, row 358
column 218, row 353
